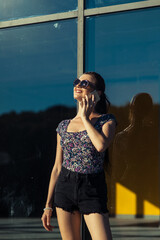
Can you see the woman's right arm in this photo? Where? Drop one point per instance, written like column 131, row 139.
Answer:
column 53, row 178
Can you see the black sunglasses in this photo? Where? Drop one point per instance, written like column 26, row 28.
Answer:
column 83, row 83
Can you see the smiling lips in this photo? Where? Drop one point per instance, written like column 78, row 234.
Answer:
column 78, row 91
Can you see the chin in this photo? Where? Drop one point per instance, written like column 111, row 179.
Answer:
column 78, row 98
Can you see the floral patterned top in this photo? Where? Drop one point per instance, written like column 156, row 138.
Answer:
column 79, row 154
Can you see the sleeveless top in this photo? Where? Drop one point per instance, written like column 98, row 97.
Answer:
column 79, row 154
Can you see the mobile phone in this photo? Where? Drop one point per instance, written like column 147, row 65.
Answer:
column 97, row 98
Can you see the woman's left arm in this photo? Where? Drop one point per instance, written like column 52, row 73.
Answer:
column 102, row 140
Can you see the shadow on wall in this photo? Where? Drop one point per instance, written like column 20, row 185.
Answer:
column 135, row 168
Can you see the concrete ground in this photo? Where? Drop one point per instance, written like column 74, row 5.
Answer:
column 31, row 229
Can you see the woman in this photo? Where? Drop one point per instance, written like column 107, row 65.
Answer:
column 78, row 176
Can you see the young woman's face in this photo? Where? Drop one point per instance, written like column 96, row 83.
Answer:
column 80, row 92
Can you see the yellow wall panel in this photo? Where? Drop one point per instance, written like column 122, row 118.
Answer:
column 125, row 200
column 150, row 209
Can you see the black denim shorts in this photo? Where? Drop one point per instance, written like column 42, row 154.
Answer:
column 86, row 193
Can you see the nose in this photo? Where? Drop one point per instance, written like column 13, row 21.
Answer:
column 78, row 85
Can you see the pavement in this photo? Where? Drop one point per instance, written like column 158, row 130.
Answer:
column 122, row 228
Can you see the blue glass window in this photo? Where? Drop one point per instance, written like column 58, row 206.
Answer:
column 37, row 65
column 124, row 48
column 104, row 3
column 12, row 9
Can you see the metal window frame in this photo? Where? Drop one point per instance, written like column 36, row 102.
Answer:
column 80, row 14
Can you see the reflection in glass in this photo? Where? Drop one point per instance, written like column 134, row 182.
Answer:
column 38, row 65
column 124, row 48
column 103, row 3
column 12, row 9
column 135, row 159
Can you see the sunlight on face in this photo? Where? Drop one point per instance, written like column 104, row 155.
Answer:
column 80, row 92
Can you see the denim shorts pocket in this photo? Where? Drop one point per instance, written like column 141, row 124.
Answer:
column 96, row 181
column 60, row 183
column 97, row 185
column 63, row 177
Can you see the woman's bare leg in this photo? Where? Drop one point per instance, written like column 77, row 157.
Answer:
column 69, row 224
column 98, row 225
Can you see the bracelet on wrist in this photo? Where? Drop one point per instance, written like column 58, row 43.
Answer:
column 47, row 208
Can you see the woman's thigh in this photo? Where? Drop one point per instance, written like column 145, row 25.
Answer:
column 69, row 224
column 98, row 225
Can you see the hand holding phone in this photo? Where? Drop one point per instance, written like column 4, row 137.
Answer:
column 96, row 96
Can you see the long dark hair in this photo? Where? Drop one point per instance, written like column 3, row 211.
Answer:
column 102, row 106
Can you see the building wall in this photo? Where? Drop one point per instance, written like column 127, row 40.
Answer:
column 43, row 47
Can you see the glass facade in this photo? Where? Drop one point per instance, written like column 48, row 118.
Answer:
column 38, row 63
column 105, row 3
column 13, row 9
column 127, row 55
